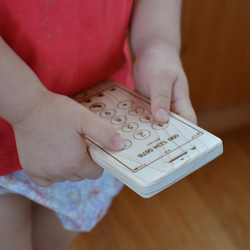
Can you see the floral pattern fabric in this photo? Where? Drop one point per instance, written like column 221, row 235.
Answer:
column 79, row 205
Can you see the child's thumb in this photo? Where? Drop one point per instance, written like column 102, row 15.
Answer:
column 101, row 131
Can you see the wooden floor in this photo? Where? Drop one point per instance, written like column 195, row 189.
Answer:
column 208, row 210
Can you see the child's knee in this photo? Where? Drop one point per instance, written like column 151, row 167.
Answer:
column 48, row 232
column 52, row 241
column 15, row 220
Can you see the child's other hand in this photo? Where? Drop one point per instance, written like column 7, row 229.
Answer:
column 51, row 145
column 158, row 74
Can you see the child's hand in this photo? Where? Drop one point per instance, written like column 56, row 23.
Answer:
column 51, row 145
column 158, row 74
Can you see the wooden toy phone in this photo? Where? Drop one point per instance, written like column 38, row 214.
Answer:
column 156, row 155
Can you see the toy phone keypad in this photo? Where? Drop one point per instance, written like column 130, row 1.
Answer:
column 155, row 154
column 135, row 123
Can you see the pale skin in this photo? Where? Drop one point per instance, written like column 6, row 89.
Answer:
column 36, row 115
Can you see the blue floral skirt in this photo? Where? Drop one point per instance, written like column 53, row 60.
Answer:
column 78, row 205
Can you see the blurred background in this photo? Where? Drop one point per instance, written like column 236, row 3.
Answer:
column 210, row 209
column 216, row 57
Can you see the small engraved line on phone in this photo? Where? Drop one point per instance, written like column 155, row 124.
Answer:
column 177, row 157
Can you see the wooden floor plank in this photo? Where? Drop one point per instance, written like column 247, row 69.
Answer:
column 228, row 179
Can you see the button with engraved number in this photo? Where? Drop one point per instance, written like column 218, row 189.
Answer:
column 159, row 125
column 141, row 134
column 125, row 104
column 98, row 106
column 107, row 113
column 146, row 118
column 127, row 144
column 130, row 127
column 118, row 120
column 136, row 111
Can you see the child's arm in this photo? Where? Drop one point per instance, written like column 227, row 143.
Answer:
column 158, row 72
column 49, row 128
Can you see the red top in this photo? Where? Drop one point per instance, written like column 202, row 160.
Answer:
column 70, row 45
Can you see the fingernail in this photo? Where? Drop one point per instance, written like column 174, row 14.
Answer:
column 161, row 115
column 118, row 142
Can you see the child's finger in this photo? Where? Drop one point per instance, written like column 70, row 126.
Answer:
column 100, row 131
column 181, row 103
column 184, row 109
column 93, row 171
column 160, row 94
column 40, row 181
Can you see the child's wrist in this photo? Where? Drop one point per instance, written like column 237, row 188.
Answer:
column 158, row 44
column 25, row 107
column 158, row 47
